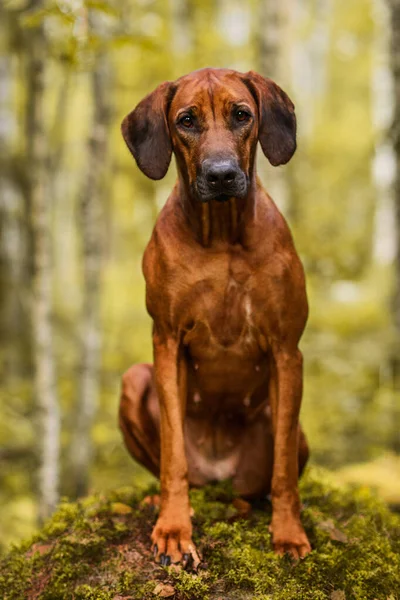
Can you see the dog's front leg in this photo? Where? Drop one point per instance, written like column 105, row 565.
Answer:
column 285, row 395
column 172, row 534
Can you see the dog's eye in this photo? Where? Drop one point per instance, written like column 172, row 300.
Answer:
column 186, row 121
column 242, row 115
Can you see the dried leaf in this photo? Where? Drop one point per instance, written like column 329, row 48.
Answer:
column 196, row 559
column 38, row 547
column 334, row 533
column 338, row 595
column 164, row 590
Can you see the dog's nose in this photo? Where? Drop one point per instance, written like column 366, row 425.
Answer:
column 219, row 173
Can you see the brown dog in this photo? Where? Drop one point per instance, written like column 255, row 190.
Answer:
column 226, row 291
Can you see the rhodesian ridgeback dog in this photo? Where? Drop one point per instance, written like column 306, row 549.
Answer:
column 226, row 291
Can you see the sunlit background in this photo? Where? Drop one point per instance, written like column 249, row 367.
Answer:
column 76, row 214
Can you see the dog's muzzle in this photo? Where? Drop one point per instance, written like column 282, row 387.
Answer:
column 220, row 180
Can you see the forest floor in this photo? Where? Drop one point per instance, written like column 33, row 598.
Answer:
column 99, row 549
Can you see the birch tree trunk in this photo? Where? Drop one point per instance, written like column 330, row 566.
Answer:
column 91, row 210
column 270, row 33
column 268, row 40
column 14, row 313
column 383, row 242
column 38, row 205
column 395, row 133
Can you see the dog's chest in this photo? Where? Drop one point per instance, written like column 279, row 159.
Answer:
column 232, row 317
column 223, row 307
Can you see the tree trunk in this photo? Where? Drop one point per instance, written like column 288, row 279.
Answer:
column 270, row 27
column 14, row 316
column 395, row 132
column 383, row 242
column 91, row 211
column 268, row 37
column 38, row 204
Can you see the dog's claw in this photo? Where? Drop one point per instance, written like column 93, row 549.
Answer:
column 186, row 560
column 167, row 560
column 155, row 550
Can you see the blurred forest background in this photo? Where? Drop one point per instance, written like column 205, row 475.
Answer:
column 76, row 214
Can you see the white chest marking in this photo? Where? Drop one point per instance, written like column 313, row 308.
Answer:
column 216, row 469
column 196, row 398
column 249, row 325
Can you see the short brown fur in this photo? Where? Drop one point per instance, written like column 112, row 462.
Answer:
column 226, row 291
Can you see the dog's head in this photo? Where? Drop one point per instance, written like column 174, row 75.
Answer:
column 212, row 120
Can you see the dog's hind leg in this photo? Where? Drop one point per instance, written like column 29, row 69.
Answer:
column 139, row 416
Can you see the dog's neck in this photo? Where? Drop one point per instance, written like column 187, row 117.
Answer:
column 213, row 222
column 219, row 221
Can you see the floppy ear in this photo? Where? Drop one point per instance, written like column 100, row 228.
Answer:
column 145, row 131
column 277, row 120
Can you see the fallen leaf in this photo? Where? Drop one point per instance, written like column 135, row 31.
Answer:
column 164, row 590
column 118, row 508
column 38, row 547
column 196, row 559
column 338, row 595
column 334, row 533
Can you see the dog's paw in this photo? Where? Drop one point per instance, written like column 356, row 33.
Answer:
column 172, row 543
column 295, row 550
column 290, row 538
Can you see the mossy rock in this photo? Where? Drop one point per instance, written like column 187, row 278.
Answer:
column 98, row 549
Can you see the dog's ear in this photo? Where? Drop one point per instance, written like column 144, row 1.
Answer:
column 145, row 131
column 277, row 120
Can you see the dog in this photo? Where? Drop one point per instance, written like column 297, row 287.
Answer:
column 226, row 291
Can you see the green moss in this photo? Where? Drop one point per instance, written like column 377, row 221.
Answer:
column 189, row 585
column 99, row 549
column 86, row 592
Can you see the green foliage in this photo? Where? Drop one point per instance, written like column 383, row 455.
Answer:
column 91, row 550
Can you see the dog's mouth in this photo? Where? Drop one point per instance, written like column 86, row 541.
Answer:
column 205, row 193
column 222, row 197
